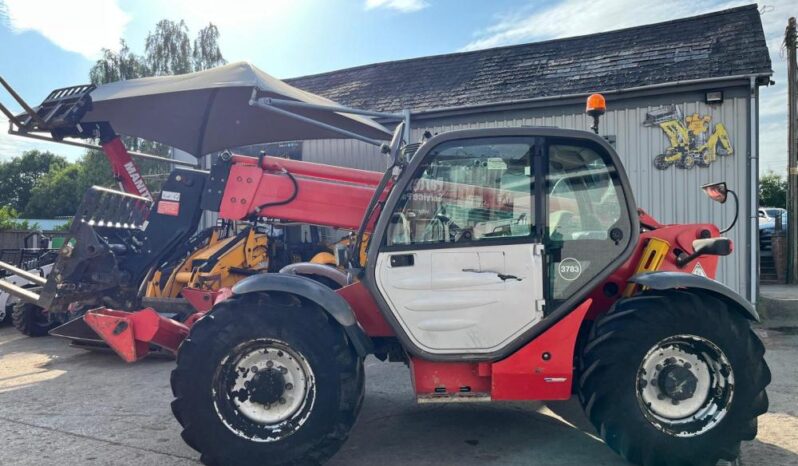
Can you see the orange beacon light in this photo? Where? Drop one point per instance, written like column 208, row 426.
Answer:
column 596, row 106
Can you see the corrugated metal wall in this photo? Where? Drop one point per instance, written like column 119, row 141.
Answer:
column 671, row 196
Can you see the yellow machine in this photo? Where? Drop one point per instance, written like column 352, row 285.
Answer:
column 222, row 262
column 690, row 143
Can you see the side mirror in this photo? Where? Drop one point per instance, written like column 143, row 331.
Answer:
column 712, row 246
column 718, row 192
column 709, row 246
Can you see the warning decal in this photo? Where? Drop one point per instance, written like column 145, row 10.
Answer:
column 169, row 208
column 170, row 196
column 698, row 270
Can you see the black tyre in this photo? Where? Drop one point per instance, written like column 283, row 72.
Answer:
column 266, row 379
column 5, row 314
column 661, row 162
column 31, row 320
column 674, row 378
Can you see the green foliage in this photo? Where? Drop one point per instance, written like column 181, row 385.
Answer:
column 20, row 174
column 63, row 227
column 206, row 52
column 772, row 190
column 8, row 220
column 57, row 194
column 118, row 66
column 168, row 49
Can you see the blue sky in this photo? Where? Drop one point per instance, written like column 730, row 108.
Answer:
column 46, row 44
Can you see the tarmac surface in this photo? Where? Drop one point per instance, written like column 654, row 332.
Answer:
column 65, row 406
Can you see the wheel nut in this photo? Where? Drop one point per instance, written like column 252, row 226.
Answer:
column 269, row 364
column 687, row 365
column 660, row 396
column 658, row 367
column 283, row 369
column 289, row 386
column 254, row 369
column 674, row 402
column 282, row 401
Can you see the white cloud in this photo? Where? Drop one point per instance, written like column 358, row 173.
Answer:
column 568, row 18
column 83, row 27
column 404, row 6
column 579, row 17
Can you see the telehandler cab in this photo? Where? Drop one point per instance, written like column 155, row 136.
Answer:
column 502, row 264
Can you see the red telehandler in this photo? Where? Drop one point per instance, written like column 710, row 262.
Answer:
column 502, row 264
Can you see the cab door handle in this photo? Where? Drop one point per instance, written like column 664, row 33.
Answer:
column 402, row 260
column 502, row 276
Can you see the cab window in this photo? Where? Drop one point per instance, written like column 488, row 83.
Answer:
column 476, row 190
column 588, row 224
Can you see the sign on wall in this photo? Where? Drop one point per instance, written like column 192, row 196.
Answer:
column 693, row 141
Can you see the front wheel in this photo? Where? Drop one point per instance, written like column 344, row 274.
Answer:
column 673, row 378
column 266, row 378
column 31, row 320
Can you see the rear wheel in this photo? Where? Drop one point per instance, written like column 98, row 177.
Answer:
column 672, row 378
column 266, row 378
column 31, row 320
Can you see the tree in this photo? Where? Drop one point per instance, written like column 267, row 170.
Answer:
column 168, row 49
column 772, row 190
column 8, row 220
column 118, row 66
column 57, row 194
column 20, row 174
column 206, row 52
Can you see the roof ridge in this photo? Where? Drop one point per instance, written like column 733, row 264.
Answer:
column 752, row 6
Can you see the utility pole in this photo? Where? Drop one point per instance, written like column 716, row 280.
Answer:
column 790, row 39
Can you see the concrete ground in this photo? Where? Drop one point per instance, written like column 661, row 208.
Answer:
column 63, row 406
column 778, row 301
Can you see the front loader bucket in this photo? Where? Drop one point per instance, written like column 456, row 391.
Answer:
column 78, row 332
column 130, row 334
column 105, row 231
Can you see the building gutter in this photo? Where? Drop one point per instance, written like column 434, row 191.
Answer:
column 516, row 103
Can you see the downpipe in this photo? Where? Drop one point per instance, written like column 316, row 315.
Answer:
column 753, row 220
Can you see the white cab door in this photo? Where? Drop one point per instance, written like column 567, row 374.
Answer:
column 472, row 299
column 461, row 265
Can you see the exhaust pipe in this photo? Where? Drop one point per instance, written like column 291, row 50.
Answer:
column 21, row 293
column 33, row 278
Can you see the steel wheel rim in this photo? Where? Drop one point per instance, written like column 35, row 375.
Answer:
column 247, row 390
column 685, row 385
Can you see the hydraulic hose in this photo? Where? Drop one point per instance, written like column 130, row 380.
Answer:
column 284, row 201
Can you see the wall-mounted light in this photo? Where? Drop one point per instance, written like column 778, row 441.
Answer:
column 714, row 97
